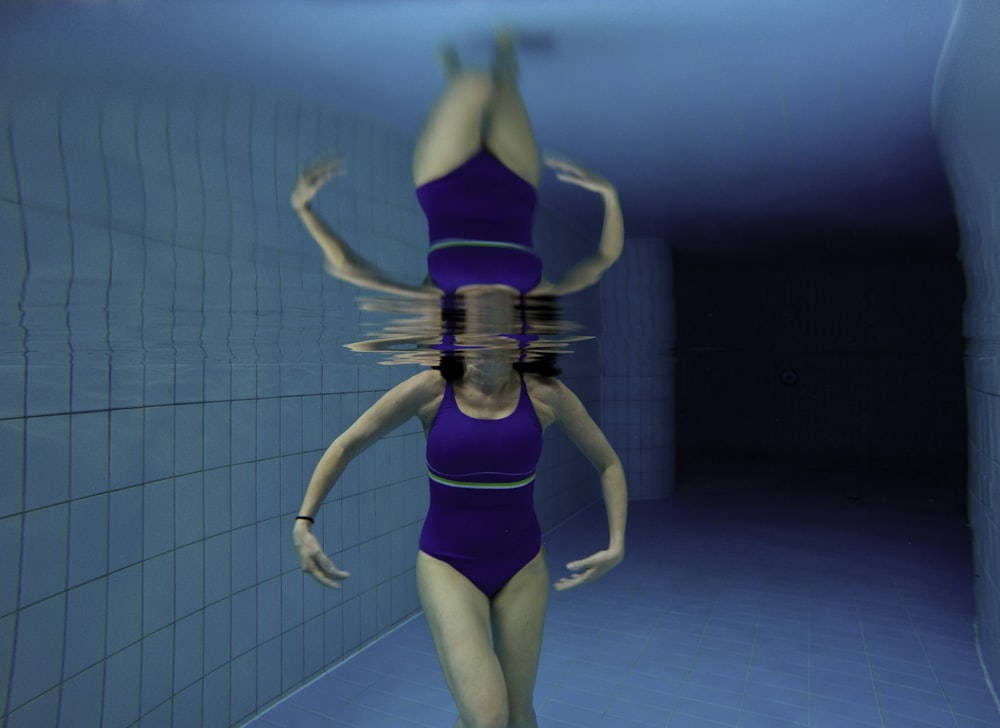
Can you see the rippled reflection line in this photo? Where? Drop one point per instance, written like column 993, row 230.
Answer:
column 421, row 332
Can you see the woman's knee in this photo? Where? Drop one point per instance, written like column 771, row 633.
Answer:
column 496, row 717
column 510, row 716
column 475, row 86
column 522, row 718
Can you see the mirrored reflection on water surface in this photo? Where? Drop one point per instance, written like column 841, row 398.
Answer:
column 485, row 320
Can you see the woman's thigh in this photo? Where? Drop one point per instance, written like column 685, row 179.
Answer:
column 453, row 130
column 518, row 617
column 459, row 618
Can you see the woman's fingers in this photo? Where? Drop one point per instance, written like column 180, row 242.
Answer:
column 585, row 573
column 315, row 177
column 574, row 174
column 323, row 570
column 588, row 569
column 324, row 170
column 570, row 582
column 562, row 165
column 314, row 560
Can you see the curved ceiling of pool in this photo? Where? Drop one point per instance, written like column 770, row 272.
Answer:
column 715, row 118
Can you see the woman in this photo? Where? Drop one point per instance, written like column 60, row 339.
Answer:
column 476, row 170
column 481, row 572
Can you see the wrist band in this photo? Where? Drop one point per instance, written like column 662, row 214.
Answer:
column 305, row 518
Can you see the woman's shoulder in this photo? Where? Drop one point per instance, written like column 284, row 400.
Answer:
column 548, row 395
column 544, row 386
column 420, row 394
column 551, row 392
column 428, row 383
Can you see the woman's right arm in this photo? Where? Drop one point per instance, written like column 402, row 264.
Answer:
column 589, row 270
column 395, row 407
column 341, row 260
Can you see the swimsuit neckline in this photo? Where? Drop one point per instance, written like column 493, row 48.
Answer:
column 517, row 407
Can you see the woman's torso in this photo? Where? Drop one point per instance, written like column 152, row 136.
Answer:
column 484, row 445
column 478, row 405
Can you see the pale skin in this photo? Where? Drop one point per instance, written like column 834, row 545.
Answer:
column 476, row 110
column 488, row 648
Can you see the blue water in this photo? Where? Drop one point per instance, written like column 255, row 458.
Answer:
column 761, row 609
column 172, row 364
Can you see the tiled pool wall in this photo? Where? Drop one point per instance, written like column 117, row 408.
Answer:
column 966, row 119
column 637, row 352
column 172, row 368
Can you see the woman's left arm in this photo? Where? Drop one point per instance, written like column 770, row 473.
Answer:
column 342, row 261
column 589, row 270
column 570, row 413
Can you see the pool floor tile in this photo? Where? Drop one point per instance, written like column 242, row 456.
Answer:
column 730, row 610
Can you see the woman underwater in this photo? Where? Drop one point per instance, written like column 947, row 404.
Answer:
column 476, row 170
column 481, row 573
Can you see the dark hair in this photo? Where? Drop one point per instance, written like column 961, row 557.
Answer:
column 452, row 366
column 544, row 365
column 540, row 308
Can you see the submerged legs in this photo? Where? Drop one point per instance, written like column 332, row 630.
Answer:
column 478, row 109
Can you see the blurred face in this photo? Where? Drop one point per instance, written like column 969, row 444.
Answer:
column 490, row 315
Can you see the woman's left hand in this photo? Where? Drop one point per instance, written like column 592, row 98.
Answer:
column 591, row 568
column 313, row 178
column 574, row 174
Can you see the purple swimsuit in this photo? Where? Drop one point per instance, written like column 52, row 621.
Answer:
column 479, row 219
column 481, row 518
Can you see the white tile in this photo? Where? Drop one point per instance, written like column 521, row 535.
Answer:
column 157, row 671
column 158, row 517
column 270, row 484
column 158, row 443
column 12, row 434
column 189, row 634
column 125, row 525
column 189, row 592
column 295, row 474
column 47, row 454
column 40, row 633
column 34, row 130
column 80, row 696
column 124, row 604
column 122, row 680
column 88, row 539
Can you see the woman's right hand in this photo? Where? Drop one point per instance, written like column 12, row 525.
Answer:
column 313, row 179
column 572, row 173
column 314, row 562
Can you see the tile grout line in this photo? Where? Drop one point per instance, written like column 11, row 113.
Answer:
column 261, row 713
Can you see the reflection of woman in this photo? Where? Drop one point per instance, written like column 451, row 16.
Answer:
column 481, row 571
column 476, row 169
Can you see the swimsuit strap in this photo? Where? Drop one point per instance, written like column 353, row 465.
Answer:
column 451, row 401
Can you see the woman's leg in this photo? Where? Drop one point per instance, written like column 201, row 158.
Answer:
column 453, row 130
column 507, row 127
column 459, row 618
column 518, row 615
column 478, row 109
